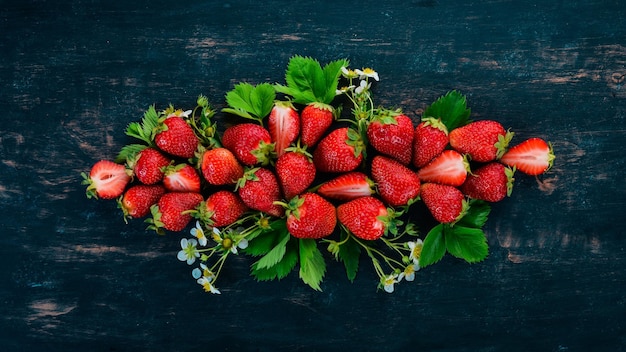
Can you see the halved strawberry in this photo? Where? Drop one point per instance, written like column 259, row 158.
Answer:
column 283, row 125
column 181, row 178
column 347, row 186
column 137, row 200
column 449, row 168
column 533, row 156
column 106, row 180
column 397, row 184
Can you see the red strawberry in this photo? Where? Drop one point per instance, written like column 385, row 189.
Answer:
column 347, row 186
column 283, row 125
column 397, row 184
column 250, row 143
column 147, row 166
column 316, row 119
column 483, row 140
column 392, row 135
column 449, row 168
column 310, row 216
column 365, row 217
column 181, row 178
column 295, row 171
column 429, row 140
column 172, row 211
column 339, row 151
column 490, row 182
column 446, row 203
column 220, row 167
column 106, row 180
column 222, row 208
column 137, row 200
column 174, row 136
column 533, row 156
column 259, row 189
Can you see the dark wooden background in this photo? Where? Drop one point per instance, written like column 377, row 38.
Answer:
column 73, row 74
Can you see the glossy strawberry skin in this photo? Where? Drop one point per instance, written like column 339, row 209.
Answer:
column 347, row 186
column 106, row 180
column 335, row 154
column 148, row 164
column 295, row 172
column 259, row 189
column 360, row 217
column 178, row 138
column 314, row 217
column 393, row 139
column 181, row 178
column 138, row 199
column 429, row 140
column 490, row 182
column 171, row 207
column 396, row 183
column 220, row 167
column 444, row 202
column 533, row 156
column 224, row 207
column 284, row 126
column 315, row 119
column 250, row 143
column 478, row 139
column 449, row 168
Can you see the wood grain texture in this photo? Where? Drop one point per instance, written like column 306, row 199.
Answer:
column 73, row 75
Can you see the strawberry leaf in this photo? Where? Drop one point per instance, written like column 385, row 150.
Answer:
column 128, row 151
column 476, row 215
column 466, row 243
column 276, row 253
column 308, row 82
column 451, row 109
column 312, row 265
column 282, row 268
column 349, row 253
column 434, row 247
column 251, row 102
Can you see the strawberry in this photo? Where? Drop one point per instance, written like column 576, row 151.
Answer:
column 446, row 203
column 220, row 167
column 251, row 143
column 284, row 126
column 449, row 168
column 137, row 200
column 397, row 184
column 310, row 216
column 483, row 140
column 259, row 189
column 147, row 165
column 429, row 140
column 221, row 208
column 347, row 186
column 365, row 217
column 490, row 182
column 339, row 151
column 106, row 180
column 172, row 211
column 391, row 134
column 533, row 156
column 181, row 178
column 174, row 136
column 295, row 171
column 316, row 118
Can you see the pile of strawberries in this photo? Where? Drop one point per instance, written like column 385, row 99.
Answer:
column 302, row 166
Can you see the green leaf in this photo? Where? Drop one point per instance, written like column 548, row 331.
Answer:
column 251, row 102
column 312, row 265
column 275, row 254
column 281, row 269
column 262, row 241
column 466, row 243
column 434, row 247
column 476, row 215
column 332, row 71
column 451, row 109
column 129, row 151
column 308, row 82
column 349, row 253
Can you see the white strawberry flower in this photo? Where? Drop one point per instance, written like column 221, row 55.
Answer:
column 198, row 233
column 363, row 86
column 205, row 277
column 389, row 282
column 348, row 73
column 189, row 251
column 409, row 273
column 416, row 251
column 344, row 90
column 367, row 73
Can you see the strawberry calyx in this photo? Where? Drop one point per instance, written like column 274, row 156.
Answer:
column 435, row 123
column 503, row 143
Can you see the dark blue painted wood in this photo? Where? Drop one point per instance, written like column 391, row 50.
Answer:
column 73, row 75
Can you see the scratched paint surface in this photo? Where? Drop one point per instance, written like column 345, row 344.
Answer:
column 73, row 75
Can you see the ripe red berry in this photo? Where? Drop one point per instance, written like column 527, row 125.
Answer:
column 310, row 216
column 397, row 184
column 490, row 182
column 392, row 135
